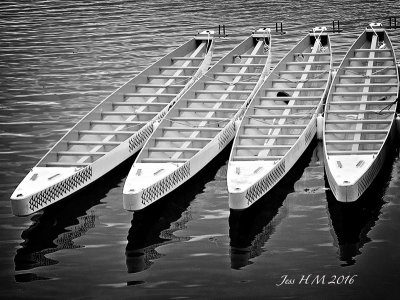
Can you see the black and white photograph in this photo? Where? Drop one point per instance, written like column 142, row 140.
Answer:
column 199, row 149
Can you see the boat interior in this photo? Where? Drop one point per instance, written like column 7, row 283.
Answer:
column 207, row 108
column 283, row 107
column 128, row 109
column 360, row 109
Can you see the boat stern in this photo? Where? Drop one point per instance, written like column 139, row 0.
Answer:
column 241, row 179
column 146, row 183
column 350, row 175
column 35, row 190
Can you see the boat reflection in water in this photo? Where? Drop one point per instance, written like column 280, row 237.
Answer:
column 56, row 227
column 155, row 225
column 351, row 222
column 251, row 228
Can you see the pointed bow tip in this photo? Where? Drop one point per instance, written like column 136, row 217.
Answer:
column 344, row 191
column 20, row 206
column 237, row 199
column 132, row 201
column 347, row 192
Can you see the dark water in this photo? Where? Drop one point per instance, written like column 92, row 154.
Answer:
column 60, row 58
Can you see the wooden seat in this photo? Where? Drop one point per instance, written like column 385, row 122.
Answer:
column 178, row 68
column 253, row 55
column 223, row 92
column 366, row 84
column 267, row 136
column 375, row 76
column 355, row 141
column 320, row 62
column 364, row 131
column 260, row 147
column 214, row 101
column 378, row 102
column 191, row 128
column 105, row 122
column 188, row 119
column 215, row 82
column 180, row 77
column 131, row 103
column 292, row 126
column 306, row 98
column 304, row 72
column 278, row 116
column 369, row 67
column 172, row 149
column 374, row 58
column 312, row 54
column 105, row 132
column 383, row 93
column 162, row 160
column 182, row 139
column 105, row 143
column 244, row 65
column 310, row 80
column 198, row 109
column 187, row 58
column 360, row 111
column 250, row 158
column 279, row 107
column 129, row 113
column 375, row 121
column 350, row 152
column 372, row 50
column 80, row 153
column 236, row 74
column 159, row 85
column 149, row 95
column 296, row 89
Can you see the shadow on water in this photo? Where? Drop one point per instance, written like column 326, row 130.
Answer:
column 155, row 225
column 351, row 222
column 56, row 227
column 250, row 229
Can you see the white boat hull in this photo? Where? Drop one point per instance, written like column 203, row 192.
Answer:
column 114, row 130
column 200, row 124
column 359, row 124
column 280, row 122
